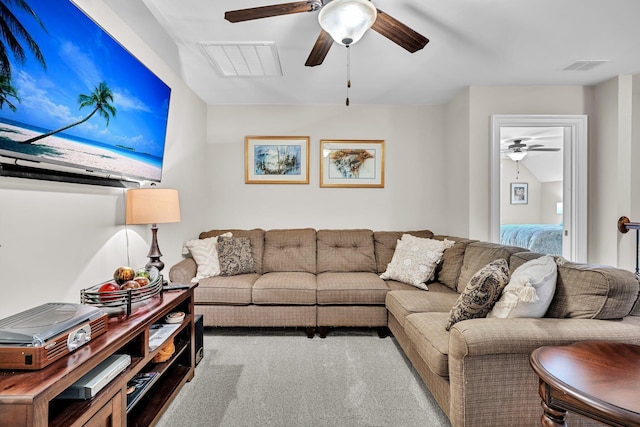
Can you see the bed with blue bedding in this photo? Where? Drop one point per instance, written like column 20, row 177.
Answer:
column 541, row 238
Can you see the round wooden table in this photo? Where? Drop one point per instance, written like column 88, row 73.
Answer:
column 597, row 379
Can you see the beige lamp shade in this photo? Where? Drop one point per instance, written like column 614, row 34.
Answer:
column 152, row 206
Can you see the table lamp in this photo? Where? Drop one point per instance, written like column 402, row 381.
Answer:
column 152, row 206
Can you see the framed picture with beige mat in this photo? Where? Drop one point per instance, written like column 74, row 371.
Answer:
column 276, row 159
column 352, row 163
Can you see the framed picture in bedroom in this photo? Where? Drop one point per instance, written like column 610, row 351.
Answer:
column 519, row 193
column 352, row 163
column 276, row 159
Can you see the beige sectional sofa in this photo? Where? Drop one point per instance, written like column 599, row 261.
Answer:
column 479, row 370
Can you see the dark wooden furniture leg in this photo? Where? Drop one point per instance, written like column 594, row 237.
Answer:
column 311, row 331
column 322, row 331
column 552, row 417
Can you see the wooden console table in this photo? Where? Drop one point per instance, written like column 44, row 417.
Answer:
column 28, row 398
column 600, row 380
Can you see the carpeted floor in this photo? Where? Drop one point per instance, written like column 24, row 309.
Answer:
column 278, row 377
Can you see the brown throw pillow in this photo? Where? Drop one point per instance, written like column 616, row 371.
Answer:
column 234, row 254
column 481, row 293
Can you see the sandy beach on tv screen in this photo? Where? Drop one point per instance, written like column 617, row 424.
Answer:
column 91, row 157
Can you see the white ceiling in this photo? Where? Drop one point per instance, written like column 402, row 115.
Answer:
column 472, row 43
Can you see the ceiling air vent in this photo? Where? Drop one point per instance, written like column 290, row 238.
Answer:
column 243, row 59
column 585, row 65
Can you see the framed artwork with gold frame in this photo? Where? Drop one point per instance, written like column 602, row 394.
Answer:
column 276, row 159
column 352, row 163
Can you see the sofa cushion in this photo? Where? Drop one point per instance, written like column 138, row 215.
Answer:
column 257, row 242
column 448, row 270
column 588, row 291
column 520, row 258
column 427, row 333
column 345, row 251
column 385, row 245
column 290, row 250
column 482, row 292
column 351, row 288
column 279, row 288
column 479, row 254
column 205, row 253
column 529, row 291
column 234, row 254
column 404, row 303
column 233, row 290
column 415, row 260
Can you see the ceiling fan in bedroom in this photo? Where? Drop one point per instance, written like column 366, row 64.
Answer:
column 342, row 21
column 517, row 149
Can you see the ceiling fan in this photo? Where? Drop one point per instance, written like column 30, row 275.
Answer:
column 519, row 145
column 383, row 24
column 518, row 150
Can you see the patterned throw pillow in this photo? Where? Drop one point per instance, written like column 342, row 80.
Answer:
column 205, row 254
column 481, row 293
column 234, row 254
column 415, row 259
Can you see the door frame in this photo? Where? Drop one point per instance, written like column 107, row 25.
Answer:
column 575, row 175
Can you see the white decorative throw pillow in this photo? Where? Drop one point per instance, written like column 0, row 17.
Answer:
column 415, row 259
column 205, row 254
column 529, row 291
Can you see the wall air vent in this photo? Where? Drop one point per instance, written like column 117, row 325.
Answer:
column 243, row 59
column 585, row 65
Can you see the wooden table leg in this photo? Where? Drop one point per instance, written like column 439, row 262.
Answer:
column 552, row 417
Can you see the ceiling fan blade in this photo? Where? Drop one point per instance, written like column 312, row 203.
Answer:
column 543, row 149
column 272, row 10
column 320, row 49
column 398, row 32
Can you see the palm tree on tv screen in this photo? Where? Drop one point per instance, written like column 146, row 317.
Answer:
column 11, row 33
column 7, row 90
column 100, row 99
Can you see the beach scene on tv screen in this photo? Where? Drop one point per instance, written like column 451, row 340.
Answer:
column 73, row 96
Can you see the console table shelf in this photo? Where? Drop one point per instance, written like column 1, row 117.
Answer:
column 28, row 398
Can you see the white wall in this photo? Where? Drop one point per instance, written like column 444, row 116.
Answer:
column 58, row 238
column 456, row 177
column 610, row 166
column 414, row 190
column 529, row 213
column 543, row 197
column 551, row 195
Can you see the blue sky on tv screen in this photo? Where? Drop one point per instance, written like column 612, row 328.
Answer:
column 79, row 55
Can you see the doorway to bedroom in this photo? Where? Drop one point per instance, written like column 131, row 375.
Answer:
column 539, row 184
column 531, row 188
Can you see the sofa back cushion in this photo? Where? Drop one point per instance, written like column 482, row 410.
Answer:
column 256, row 236
column 587, row 291
column 448, row 271
column 345, row 251
column 479, row 254
column 520, row 258
column 290, row 250
column 385, row 245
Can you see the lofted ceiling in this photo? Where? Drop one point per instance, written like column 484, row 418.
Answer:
column 546, row 166
column 472, row 43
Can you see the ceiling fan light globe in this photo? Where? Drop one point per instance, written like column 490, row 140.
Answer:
column 516, row 156
column 347, row 20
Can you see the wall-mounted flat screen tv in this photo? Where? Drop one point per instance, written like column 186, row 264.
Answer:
column 70, row 95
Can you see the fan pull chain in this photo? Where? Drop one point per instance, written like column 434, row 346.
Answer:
column 348, row 73
column 517, row 169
